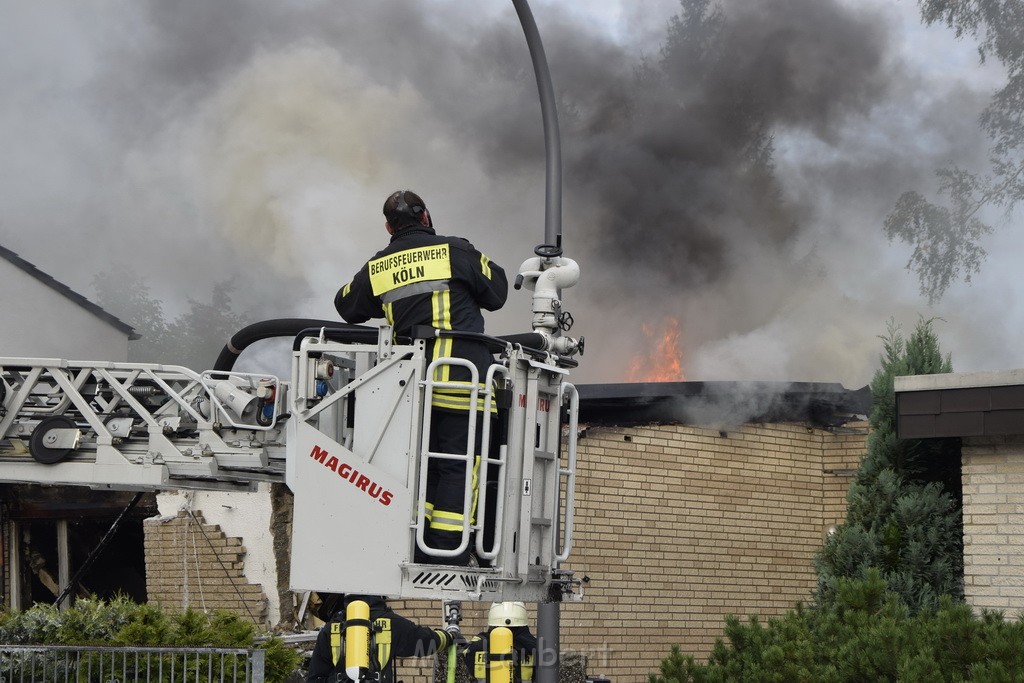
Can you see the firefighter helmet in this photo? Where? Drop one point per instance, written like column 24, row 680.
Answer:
column 507, row 614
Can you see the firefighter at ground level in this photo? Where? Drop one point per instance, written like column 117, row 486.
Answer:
column 511, row 615
column 422, row 278
column 391, row 636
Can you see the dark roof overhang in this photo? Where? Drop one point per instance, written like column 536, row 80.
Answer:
column 722, row 403
column 960, row 405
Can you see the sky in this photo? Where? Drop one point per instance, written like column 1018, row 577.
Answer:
column 255, row 141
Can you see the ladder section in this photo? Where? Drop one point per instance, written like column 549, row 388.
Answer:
column 569, row 400
column 537, row 441
column 482, row 461
column 135, row 425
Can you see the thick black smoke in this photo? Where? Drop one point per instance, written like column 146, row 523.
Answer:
column 712, row 175
column 682, row 157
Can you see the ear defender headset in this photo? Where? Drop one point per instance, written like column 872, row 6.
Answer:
column 402, row 208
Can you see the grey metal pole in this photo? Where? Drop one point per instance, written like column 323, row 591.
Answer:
column 548, row 652
column 548, row 613
column 552, row 141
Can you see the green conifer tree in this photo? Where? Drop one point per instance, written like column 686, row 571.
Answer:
column 904, row 507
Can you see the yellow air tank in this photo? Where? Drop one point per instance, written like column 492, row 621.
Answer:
column 499, row 645
column 357, row 639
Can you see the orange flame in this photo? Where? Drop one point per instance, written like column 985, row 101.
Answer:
column 663, row 362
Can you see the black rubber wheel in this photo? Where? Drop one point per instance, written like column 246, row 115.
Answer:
column 37, row 445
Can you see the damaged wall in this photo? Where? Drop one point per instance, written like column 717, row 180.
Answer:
column 676, row 526
column 192, row 564
column 260, row 521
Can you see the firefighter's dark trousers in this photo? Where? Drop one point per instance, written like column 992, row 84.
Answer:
column 446, row 482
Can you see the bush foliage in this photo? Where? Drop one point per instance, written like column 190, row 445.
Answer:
column 903, row 508
column 121, row 622
column 888, row 604
column 866, row 634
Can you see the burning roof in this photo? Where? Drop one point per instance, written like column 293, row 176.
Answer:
column 722, row 403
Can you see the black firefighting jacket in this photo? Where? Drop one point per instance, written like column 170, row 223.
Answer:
column 423, row 278
column 394, row 637
column 524, row 650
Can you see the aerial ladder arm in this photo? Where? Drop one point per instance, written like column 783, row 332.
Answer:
column 348, row 432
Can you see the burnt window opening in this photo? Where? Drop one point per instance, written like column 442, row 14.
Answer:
column 36, row 515
column 119, row 569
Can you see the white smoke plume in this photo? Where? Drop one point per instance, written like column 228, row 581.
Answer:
column 198, row 141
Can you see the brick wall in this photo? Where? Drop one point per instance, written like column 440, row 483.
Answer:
column 677, row 526
column 993, row 488
column 193, row 564
column 842, row 450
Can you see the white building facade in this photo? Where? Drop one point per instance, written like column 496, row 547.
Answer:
column 47, row 319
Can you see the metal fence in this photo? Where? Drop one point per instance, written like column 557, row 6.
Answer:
column 60, row 664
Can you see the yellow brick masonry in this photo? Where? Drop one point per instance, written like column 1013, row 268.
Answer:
column 993, row 490
column 678, row 526
column 190, row 564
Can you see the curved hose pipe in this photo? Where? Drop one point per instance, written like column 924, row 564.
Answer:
column 268, row 329
column 452, row 654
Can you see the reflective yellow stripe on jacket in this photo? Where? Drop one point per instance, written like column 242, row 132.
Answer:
column 382, row 627
column 526, row 669
column 441, row 319
column 480, row 666
column 336, row 642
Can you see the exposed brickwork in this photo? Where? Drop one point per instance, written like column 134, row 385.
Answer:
column 677, row 526
column 196, row 565
column 842, row 451
column 993, row 489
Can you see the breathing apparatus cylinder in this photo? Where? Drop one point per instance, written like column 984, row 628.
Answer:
column 499, row 655
column 357, row 639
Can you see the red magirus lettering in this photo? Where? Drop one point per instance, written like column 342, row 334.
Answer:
column 543, row 404
column 352, row 475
